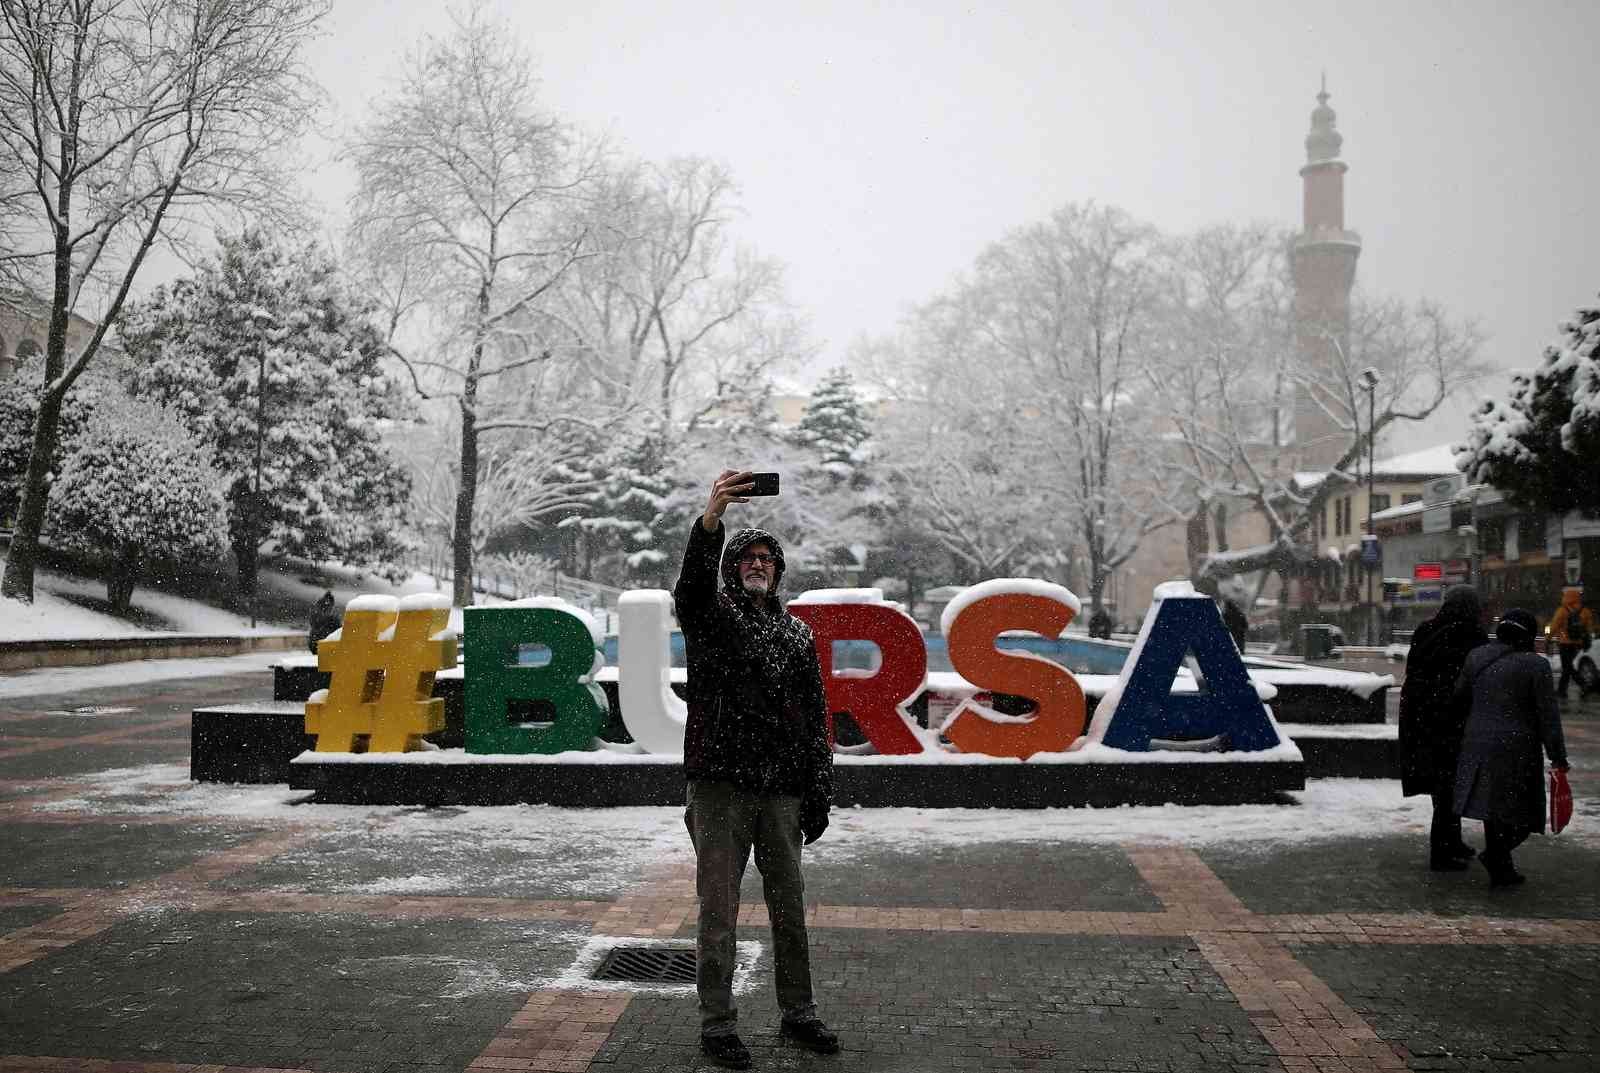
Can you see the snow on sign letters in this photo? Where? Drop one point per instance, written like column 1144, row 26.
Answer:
column 530, row 674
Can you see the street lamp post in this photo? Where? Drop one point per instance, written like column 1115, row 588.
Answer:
column 255, row 494
column 1369, row 383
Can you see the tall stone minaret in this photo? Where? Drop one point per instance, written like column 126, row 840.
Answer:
column 1323, row 257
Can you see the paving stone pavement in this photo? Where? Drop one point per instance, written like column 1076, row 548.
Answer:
column 140, row 934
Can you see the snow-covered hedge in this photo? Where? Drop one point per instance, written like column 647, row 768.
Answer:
column 136, row 487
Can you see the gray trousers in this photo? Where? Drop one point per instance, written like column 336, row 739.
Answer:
column 724, row 823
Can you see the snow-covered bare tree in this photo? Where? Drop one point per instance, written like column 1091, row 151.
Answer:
column 522, row 573
column 138, row 487
column 1221, row 379
column 470, row 210
column 271, row 361
column 674, row 314
column 518, row 485
column 955, row 453
column 1069, row 308
column 1539, row 446
column 1421, row 357
column 126, row 125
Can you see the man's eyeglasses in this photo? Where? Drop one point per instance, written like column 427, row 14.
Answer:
column 757, row 560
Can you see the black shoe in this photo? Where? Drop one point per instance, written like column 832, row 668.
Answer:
column 1503, row 873
column 813, row 1035
column 1461, row 852
column 1446, row 863
column 726, row 1050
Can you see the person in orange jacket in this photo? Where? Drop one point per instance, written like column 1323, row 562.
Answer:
column 1572, row 628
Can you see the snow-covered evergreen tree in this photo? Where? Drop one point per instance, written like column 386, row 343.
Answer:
column 637, row 517
column 1539, row 447
column 836, row 429
column 137, row 487
column 266, row 349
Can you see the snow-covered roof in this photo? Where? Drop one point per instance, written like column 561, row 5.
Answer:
column 1400, row 511
column 1436, row 461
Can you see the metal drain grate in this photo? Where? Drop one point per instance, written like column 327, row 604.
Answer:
column 648, row 965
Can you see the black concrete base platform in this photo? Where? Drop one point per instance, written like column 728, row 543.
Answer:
column 247, row 742
column 254, row 743
column 454, row 779
column 1331, row 754
column 1312, row 702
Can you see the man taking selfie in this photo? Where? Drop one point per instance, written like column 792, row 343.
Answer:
column 758, row 761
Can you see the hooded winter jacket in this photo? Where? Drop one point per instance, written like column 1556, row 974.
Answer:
column 757, row 716
column 1572, row 624
column 1432, row 717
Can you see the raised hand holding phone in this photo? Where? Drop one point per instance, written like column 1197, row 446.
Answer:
column 731, row 486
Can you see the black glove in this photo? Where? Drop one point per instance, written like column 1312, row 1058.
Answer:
column 813, row 818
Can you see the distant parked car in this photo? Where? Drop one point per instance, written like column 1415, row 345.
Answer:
column 1399, row 646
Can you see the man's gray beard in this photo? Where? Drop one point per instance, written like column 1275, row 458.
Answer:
column 754, row 586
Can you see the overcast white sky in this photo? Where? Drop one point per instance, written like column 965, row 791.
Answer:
column 880, row 146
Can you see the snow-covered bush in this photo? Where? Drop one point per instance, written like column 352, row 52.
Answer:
column 526, row 573
column 138, row 487
column 19, row 406
column 1540, row 445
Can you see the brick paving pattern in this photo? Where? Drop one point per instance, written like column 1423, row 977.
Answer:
column 145, row 942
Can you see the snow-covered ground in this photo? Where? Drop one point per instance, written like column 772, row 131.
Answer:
column 1325, row 809
column 132, row 672
column 51, row 617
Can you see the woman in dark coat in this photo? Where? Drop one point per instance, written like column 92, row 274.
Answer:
column 1500, row 778
column 1432, row 718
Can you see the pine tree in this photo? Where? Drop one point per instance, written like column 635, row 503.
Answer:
column 833, row 494
column 1539, row 446
column 266, row 349
column 835, row 428
column 638, row 515
column 137, row 487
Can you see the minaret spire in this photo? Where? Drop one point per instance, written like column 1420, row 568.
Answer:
column 1324, row 142
column 1324, row 258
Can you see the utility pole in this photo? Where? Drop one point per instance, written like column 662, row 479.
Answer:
column 1369, row 382
column 256, row 511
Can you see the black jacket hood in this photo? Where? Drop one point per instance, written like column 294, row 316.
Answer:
column 737, row 543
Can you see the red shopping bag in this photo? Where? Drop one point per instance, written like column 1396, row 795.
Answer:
column 1560, row 801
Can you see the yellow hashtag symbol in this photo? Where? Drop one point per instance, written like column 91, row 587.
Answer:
column 381, row 666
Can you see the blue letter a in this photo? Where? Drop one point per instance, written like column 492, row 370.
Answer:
column 1226, row 704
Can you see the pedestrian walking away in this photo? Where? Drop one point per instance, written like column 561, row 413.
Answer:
column 1432, row 719
column 758, row 762
column 1571, row 628
column 1513, row 714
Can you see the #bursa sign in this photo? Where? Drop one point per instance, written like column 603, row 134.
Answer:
column 384, row 659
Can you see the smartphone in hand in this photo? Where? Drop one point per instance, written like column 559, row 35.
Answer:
column 763, row 484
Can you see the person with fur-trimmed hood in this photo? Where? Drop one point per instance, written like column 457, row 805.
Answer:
column 758, row 762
